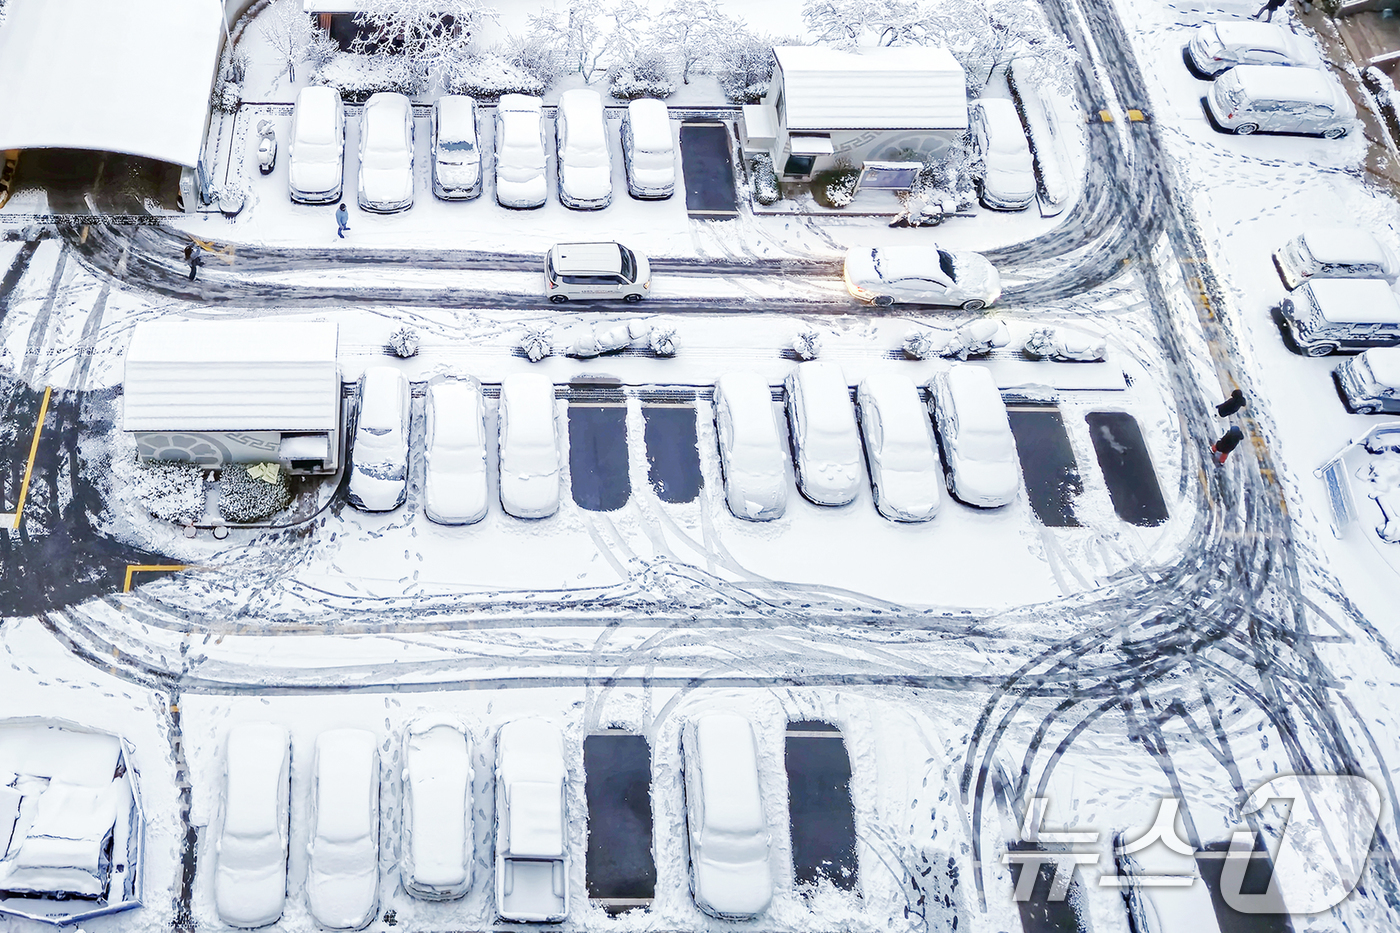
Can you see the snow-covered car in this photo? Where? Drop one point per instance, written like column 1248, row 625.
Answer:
column 574, row 271
column 822, row 424
column 379, row 457
column 529, row 446
column 437, row 809
column 1327, row 315
column 342, row 873
column 1259, row 98
column 905, row 474
column 456, row 150
column 751, row 453
column 520, row 160
column 1065, row 345
column 921, row 274
column 1218, row 47
column 532, row 868
column 648, row 150
column 979, row 450
column 1008, row 182
column 316, row 148
column 386, row 153
column 729, row 839
column 250, row 882
column 1370, row 381
column 1335, row 252
column 454, row 487
column 585, row 164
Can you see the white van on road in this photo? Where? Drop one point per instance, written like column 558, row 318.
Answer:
column 580, row 271
column 648, row 150
column 316, row 151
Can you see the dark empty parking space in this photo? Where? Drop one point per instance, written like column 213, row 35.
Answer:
column 673, row 451
column 708, row 170
column 1047, row 462
column 1256, row 881
column 621, row 871
column 1046, row 910
column 1127, row 468
column 598, row 456
column 819, row 802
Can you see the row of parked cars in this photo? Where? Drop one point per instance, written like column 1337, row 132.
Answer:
column 728, row 833
column 316, row 153
column 1266, row 78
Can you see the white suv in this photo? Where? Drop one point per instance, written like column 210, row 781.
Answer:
column 575, row 271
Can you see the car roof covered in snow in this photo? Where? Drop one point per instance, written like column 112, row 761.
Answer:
column 347, row 784
column 825, row 397
column 651, row 125
column 315, row 110
column 915, row 87
column 384, row 115
column 530, row 397
column 1354, row 301
column 1255, row 35
column 256, row 754
column 530, row 750
column 231, row 376
column 724, row 748
column 437, row 768
column 456, row 117
column 583, row 109
column 456, row 412
column 536, row 819
column 908, row 261
column 976, row 398
column 1385, row 365
column 1346, row 244
column 1303, row 85
column 750, row 402
column 381, row 403
column 587, row 258
column 896, row 395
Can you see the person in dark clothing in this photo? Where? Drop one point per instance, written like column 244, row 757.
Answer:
column 1231, row 405
column 342, row 217
column 193, row 257
column 1228, row 442
column 1267, row 10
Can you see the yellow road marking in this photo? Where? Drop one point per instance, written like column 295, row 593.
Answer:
column 1105, row 116
column 1136, row 116
column 138, row 568
column 33, row 451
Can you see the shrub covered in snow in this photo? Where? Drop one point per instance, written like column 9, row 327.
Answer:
column 537, row 342
column 836, row 188
column 744, row 66
column 765, row 179
column 919, row 344
column 172, row 490
column 404, row 342
column 358, row 76
column 487, row 77
column 807, row 344
column 663, row 340
column 249, row 498
column 647, row 75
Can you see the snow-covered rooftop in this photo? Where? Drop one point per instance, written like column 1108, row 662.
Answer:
column 886, row 88
column 156, row 59
column 231, row 376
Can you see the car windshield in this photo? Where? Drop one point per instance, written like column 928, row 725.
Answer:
column 377, row 432
column 389, row 472
column 455, row 151
column 629, row 264
column 945, row 262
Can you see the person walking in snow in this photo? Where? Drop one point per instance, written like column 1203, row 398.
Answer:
column 342, row 217
column 193, row 257
column 1231, row 405
column 1228, row 442
column 1267, row 10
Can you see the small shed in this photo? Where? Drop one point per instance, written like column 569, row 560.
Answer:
column 220, row 392
column 882, row 110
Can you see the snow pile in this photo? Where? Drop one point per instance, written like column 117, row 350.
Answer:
column 358, row 76
column 807, row 344
column 248, row 498
column 487, row 77
column 172, row 490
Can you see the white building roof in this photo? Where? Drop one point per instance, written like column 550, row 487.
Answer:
column 130, row 76
column 917, row 87
column 231, row 376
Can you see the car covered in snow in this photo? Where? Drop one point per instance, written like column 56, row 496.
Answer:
column 822, row 425
column 979, row 450
column 585, row 164
column 1335, row 252
column 456, row 149
column 532, row 867
column 1370, row 381
column 250, row 881
column 751, row 452
column 520, row 159
column 1008, row 181
column 454, row 450
column 648, row 149
column 1218, row 47
column 316, row 149
column 1327, row 315
column 379, row 457
column 1260, row 99
column 905, row 474
column 386, row 153
column 437, row 809
column 342, row 873
column 529, row 446
column 921, row 274
column 731, row 875
column 580, row 271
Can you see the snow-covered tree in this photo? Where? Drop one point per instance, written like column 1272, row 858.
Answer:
column 985, row 37
column 289, row 31
column 692, row 31
column 848, row 24
column 435, row 34
column 571, row 34
column 744, row 63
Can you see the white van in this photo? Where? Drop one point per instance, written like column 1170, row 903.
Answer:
column 1327, row 315
column 1260, row 98
column 316, row 153
column 648, row 150
column 582, row 271
column 1335, row 253
column 1370, row 381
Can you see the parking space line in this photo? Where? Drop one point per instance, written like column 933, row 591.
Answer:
column 139, row 568
column 33, row 451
